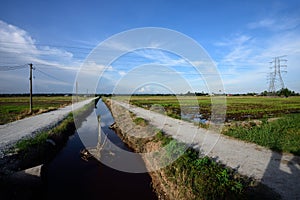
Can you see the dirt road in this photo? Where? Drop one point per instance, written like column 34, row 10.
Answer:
column 280, row 172
column 14, row 131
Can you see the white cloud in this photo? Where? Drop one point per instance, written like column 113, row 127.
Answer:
column 122, row 73
column 236, row 40
column 150, row 55
column 264, row 23
column 142, row 89
column 247, row 57
column 17, row 47
column 276, row 24
column 240, row 48
column 93, row 67
column 116, row 46
column 158, row 56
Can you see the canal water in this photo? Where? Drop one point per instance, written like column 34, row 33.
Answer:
column 68, row 176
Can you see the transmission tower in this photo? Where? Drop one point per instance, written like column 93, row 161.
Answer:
column 276, row 81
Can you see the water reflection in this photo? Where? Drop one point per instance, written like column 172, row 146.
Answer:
column 70, row 176
column 193, row 115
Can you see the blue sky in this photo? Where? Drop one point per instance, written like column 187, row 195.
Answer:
column 241, row 37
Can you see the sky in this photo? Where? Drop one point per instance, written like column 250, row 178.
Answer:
column 62, row 39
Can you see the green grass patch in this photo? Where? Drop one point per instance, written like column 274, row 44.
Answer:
column 200, row 177
column 140, row 121
column 282, row 135
column 24, row 144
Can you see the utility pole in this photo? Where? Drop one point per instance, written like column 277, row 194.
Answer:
column 30, row 83
column 76, row 91
column 275, row 75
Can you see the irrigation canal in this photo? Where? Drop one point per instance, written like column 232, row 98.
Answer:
column 68, row 176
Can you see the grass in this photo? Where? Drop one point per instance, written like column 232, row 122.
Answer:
column 282, row 135
column 15, row 108
column 25, row 144
column 35, row 150
column 140, row 121
column 205, row 178
column 238, row 108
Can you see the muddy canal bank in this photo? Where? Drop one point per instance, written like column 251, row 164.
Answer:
column 142, row 140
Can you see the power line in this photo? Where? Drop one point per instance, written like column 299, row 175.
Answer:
column 48, row 75
column 53, row 67
column 10, row 68
column 57, row 67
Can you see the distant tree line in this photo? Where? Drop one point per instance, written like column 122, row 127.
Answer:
column 282, row 92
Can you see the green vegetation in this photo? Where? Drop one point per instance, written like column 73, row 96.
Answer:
column 36, row 150
column 67, row 126
column 241, row 108
column 238, row 107
column 25, row 144
column 140, row 121
column 281, row 135
column 15, row 108
column 200, row 178
column 191, row 176
column 282, row 92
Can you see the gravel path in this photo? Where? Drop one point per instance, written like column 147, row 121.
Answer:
column 280, row 172
column 14, row 131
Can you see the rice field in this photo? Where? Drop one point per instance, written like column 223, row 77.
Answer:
column 237, row 108
column 15, row 108
column 279, row 118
